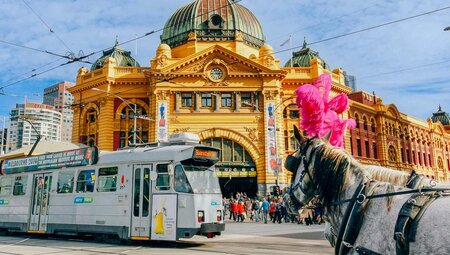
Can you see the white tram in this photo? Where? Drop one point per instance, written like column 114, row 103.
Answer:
column 158, row 192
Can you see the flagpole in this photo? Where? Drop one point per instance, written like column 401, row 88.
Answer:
column 290, row 47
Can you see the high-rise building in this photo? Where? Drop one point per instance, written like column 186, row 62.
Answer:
column 30, row 119
column 350, row 80
column 58, row 96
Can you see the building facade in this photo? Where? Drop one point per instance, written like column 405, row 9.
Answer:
column 58, row 97
column 30, row 119
column 213, row 75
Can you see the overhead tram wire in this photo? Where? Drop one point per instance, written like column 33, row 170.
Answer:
column 81, row 58
column 36, row 74
column 33, row 70
column 49, row 28
column 366, row 29
column 324, row 22
column 404, row 69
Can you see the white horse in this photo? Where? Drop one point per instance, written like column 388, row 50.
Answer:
column 334, row 175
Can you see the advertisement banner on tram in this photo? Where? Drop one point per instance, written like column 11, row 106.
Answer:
column 55, row 160
column 164, row 217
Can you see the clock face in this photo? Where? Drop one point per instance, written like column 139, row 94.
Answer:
column 216, row 73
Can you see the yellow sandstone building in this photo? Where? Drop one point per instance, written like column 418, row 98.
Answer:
column 213, row 75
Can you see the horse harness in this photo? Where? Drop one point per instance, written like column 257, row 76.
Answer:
column 407, row 221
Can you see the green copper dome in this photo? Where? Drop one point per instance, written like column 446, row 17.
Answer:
column 213, row 20
column 303, row 57
column 123, row 58
column 441, row 116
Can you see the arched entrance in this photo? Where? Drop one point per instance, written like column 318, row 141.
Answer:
column 236, row 169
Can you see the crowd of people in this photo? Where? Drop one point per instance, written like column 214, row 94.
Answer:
column 269, row 208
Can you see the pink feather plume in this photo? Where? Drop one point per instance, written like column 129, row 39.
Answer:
column 320, row 115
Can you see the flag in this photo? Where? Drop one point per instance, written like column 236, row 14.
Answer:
column 286, row 42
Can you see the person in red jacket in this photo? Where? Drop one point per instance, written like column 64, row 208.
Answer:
column 234, row 209
column 241, row 211
column 272, row 211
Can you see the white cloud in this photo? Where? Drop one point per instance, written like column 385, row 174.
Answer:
column 91, row 26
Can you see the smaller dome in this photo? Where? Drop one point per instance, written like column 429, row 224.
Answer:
column 123, row 58
column 303, row 57
column 164, row 49
column 441, row 116
column 266, row 49
column 163, row 46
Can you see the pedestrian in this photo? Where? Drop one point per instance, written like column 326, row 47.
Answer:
column 272, row 210
column 265, row 209
column 241, row 211
column 255, row 209
column 234, row 209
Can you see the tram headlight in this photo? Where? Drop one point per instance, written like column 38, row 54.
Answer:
column 219, row 215
column 201, row 216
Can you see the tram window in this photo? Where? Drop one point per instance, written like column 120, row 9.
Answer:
column 181, row 182
column 20, row 185
column 65, row 183
column 107, row 179
column 5, row 186
column 85, row 181
column 162, row 182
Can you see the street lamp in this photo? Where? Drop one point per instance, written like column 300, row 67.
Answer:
column 134, row 109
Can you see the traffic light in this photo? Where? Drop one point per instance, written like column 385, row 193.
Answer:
column 276, row 190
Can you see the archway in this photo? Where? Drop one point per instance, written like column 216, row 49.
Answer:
column 236, row 169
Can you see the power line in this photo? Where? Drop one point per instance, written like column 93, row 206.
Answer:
column 33, row 70
column 73, row 59
column 326, row 21
column 49, row 28
column 404, row 69
column 34, row 49
column 366, row 29
column 36, row 74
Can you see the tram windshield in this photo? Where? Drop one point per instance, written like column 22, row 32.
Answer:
column 203, row 179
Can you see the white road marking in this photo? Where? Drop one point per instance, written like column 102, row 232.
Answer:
column 135, row 248
column 21, row 241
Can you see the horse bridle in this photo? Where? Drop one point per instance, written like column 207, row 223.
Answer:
column 293, row 163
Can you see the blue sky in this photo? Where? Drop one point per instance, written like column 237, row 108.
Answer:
column 418, row 49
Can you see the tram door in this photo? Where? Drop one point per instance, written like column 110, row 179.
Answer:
column 141, row 213
column 40, row 202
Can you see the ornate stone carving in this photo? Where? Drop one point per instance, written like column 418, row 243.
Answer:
column 83, row 71
column 181, row 130
column 239, row 36
column 270, row 94
column 161, row 61
column 216, row 84
column 192, row 36
column 268, row 61
column 253, row 134
column 162, row 94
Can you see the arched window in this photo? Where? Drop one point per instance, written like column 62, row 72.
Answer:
column 127, row 125
column 365, row 123
column 392, row 154
column 90, row 127
column 357, row 120
column 373, row 126
column 234, row 157
column 441, row 164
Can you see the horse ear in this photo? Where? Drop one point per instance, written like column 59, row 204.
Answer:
column 327, row 137
column 298, row 135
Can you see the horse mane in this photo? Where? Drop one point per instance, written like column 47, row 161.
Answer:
column 383, row 174
column 333, row 166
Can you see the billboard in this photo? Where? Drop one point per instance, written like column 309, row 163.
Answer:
column 55, row 160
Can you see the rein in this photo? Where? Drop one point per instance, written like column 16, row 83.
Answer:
column 361, row 197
